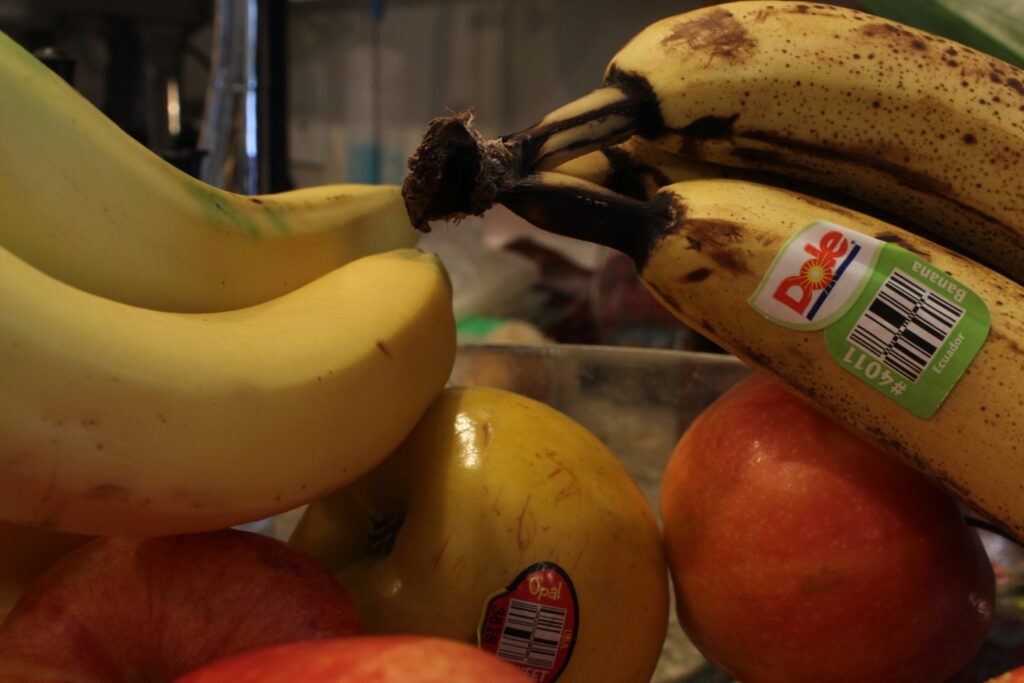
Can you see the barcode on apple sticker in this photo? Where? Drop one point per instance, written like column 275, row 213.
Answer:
column 533, row 622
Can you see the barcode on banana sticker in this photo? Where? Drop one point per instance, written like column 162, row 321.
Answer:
column 892, row 319
column 912, row 333
column 533, row 622
column 905, row 325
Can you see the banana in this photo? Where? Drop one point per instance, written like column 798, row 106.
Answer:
column 87, row 204
column 25, row 552
column 920, row 126
column 638, row 169
column 709, row 250
column 122, row 420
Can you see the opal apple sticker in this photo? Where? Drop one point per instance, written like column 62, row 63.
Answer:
column 503, row 523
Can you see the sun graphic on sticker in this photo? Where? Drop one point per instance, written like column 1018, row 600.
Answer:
column 816, row 273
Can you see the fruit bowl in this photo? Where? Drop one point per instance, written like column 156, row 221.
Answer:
column 637, row 400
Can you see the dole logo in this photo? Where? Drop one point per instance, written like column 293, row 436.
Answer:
column 816, row 273
column 816, row 276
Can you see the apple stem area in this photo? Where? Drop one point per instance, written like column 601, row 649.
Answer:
column 383, row 532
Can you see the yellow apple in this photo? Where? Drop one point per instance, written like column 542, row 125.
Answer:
column 502, row 522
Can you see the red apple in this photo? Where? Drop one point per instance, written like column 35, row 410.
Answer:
column 362, row 659
column 120, row 609
column 1012, row 676
column 801, row 554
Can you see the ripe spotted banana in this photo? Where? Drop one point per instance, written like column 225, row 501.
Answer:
column 89, row 205
column 732, row 260
column 638, row 168
column 920, row 126
column 122, row 420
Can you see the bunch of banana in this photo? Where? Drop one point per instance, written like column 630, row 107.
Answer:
column 79, row 194
column 731, row 258
column 121, row 420
column 914, row 344
column 174, row 358
column 638, row 168
column 921, row 127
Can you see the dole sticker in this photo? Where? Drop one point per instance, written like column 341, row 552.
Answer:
column 816, row 276
column 533, row 622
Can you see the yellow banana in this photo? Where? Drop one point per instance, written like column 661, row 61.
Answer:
column 718, row 254
column 122, row 420
column 24, row 553
column 638, row 169
column 920, row 126
column 87, row 204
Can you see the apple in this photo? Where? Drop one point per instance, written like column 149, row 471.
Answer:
column 502, row 522
column 361, row 659
column 25, row 552
column 1012, row 676
column 124, row 609
column 800, row 553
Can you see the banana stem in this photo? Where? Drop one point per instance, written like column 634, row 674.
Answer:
column 603, row 117
column 582, row 210
column 455, row 172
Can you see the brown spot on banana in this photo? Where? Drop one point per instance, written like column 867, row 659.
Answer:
column 755, row 156
column 903, row 174
column 716, row 32
column 707, row 127
column 730, row 259
column 696, row 275
column 713, row 232
column 901, row 241
column 107, row 492
column 885, row 29
column 1012, row 344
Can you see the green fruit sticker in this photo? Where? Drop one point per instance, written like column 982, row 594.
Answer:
column 912, row 332
column 895, row 321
